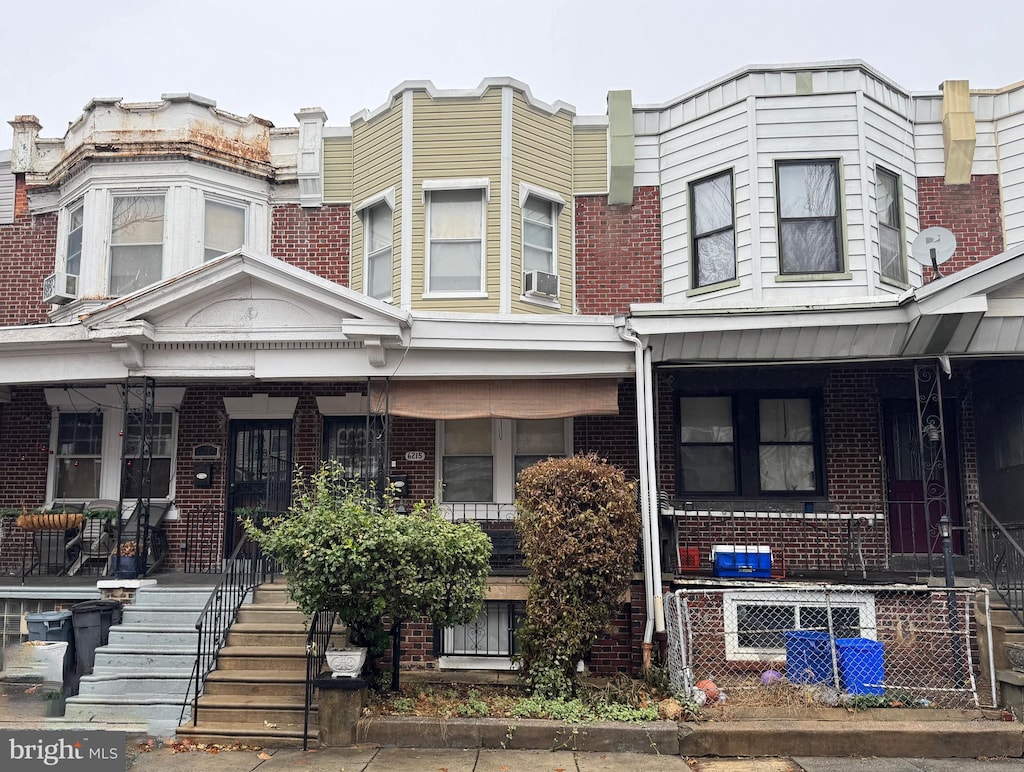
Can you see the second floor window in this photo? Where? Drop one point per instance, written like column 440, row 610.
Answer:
column 713, row 242
column 223, row 229
column 378, row 234
column 73, row 261
column 455, row 244
column 808, row 200
column 136, row 243
column 538, row 235
column 887, row 201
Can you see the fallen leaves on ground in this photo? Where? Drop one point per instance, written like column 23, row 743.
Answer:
column 185, row 746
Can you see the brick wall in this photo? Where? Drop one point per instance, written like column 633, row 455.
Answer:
column 28, row 247
column 618, row 252
column 972, row 212
column 316, row 240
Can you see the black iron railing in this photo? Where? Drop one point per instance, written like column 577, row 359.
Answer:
column 318, row 640
column 1000, row 557
column 244, row 571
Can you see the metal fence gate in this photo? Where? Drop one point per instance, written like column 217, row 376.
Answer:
column 906, row 646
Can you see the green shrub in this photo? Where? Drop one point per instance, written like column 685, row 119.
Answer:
column 579, row 524
column 345, row 551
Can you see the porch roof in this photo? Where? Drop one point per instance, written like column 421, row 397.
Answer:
column 251, row 316
column 978, row 311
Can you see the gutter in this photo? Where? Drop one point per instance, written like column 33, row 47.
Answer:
column 648, row 489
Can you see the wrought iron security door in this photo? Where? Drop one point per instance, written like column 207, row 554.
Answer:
column 261, row 472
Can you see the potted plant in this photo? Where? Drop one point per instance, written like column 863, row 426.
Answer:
column 127, row 554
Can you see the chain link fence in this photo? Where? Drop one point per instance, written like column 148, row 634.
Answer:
column 830, row 644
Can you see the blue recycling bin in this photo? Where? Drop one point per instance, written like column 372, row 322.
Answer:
column 861, row 665
column 808, row 657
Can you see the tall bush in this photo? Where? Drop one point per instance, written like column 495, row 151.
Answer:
column 344, row 551
column 579, row 524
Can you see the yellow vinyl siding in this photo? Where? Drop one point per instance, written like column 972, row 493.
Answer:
column 590, row 159
column 337, row 170
column 457, row 138
column 542, row 155
column 376, row 166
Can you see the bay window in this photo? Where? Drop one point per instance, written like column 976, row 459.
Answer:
column 136, row 243
column 809, row 223
column 455, row 241
column 888, row 201
column 713, row 240
column 223, row 228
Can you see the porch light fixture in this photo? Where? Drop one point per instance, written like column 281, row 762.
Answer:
column 932, row 431
column 945, row 527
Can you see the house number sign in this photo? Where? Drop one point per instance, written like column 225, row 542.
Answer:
column 415, row 455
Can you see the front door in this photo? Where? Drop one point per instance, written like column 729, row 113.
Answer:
column 261, row 472
column 912, row 531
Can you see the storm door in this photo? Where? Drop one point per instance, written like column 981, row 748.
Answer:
column 260, row 472
column 912, row 530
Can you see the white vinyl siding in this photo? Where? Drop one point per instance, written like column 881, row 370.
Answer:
column 6, row 189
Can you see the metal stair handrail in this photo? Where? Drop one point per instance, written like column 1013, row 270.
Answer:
column 318, row 640
column 245, row 570
column 1001, row 558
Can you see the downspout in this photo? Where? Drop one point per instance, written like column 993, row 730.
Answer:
column 648, row 493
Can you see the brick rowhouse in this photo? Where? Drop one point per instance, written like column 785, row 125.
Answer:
column 316, row 240
column 27, row 247
column 618, row 252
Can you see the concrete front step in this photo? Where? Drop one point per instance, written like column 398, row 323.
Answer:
column 181, row 617
column 183, row 597
column 272, row 709
column 158, row 658
column 132, row 682
column 143, row 638
column 290, row 658
column 162, row 708
column 247, row 733
column 256, row 683
column 271, row 615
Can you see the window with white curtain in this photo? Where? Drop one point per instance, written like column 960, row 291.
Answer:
column 888, row 200
column 712, row 242
column 136, row 243
column 79, row 455
column 748, row 444
column 809, row 226
column 378, row 232
column 223, row 229
column 455, row 243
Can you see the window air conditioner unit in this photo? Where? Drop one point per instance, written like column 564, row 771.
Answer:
column 540, row 284
column 60, row 288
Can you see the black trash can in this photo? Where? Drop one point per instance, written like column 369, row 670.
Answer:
column 92, row 620
column 54, row 626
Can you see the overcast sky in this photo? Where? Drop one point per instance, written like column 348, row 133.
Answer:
column 271, row 59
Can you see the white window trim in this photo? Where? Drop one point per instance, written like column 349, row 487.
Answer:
column 108, row 401
column 482, row 184
column 503, row 470
column 865, row 602
column 557, row 203
column 387, row 198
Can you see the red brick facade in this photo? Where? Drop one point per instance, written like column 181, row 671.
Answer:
column 972, row 212
column 316, row 240
column 27, row 250
column 618, row 252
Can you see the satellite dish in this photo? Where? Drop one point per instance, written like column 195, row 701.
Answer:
column 933, row 246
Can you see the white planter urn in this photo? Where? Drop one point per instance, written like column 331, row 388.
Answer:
column 346, row 663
